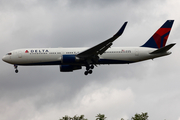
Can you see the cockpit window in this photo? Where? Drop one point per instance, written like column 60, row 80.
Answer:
column 9, row 54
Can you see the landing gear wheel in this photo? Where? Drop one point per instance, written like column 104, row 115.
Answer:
column 16, row 71
column 15, row 67
column 90, row 71
column 86, row 73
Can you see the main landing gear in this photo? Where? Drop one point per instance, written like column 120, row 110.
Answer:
column 89, row 69
column 15, row 67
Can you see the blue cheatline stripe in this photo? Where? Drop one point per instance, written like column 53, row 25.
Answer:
column 101, row 61
column 107, row 61
column 69, row 58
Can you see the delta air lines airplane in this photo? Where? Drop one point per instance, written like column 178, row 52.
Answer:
column 70, row 59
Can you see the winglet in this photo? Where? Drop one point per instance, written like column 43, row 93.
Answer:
column 121, row 30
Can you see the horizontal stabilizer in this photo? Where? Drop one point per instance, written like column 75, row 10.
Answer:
column 163, row 49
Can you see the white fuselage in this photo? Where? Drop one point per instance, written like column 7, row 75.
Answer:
column 53, row 56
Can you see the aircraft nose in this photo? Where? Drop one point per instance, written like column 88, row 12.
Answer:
column 5, row 59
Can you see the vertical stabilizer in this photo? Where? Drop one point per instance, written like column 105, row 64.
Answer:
column 158, row 40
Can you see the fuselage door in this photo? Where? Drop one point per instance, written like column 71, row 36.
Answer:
column 136, row 52
column 19, row 54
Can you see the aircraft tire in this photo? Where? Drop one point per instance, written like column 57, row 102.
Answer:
column 90, row 71
column 86, row 73
column 16, row 71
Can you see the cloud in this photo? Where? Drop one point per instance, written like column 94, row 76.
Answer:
column 99, row 98
column 105, row 97
column 42, row 92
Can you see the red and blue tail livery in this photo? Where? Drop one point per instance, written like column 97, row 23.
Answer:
column 158, row 40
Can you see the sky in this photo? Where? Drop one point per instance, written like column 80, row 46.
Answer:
column 118, row 91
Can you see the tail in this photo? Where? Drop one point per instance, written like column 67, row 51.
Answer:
column 158, row 40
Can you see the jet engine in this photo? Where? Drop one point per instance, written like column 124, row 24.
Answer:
column 69, row 68
column 69, row 59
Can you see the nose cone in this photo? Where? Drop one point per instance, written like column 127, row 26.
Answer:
column 6, row 59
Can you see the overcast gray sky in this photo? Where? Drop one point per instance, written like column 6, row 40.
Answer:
column 118, row 91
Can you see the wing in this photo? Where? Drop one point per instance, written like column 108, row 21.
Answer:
column 102, row 47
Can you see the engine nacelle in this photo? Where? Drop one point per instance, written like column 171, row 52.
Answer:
column 69, row 59
column 69, row 68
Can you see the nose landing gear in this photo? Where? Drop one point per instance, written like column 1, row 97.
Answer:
column 15, row 67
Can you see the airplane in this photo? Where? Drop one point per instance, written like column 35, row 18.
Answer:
column 70, row 59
